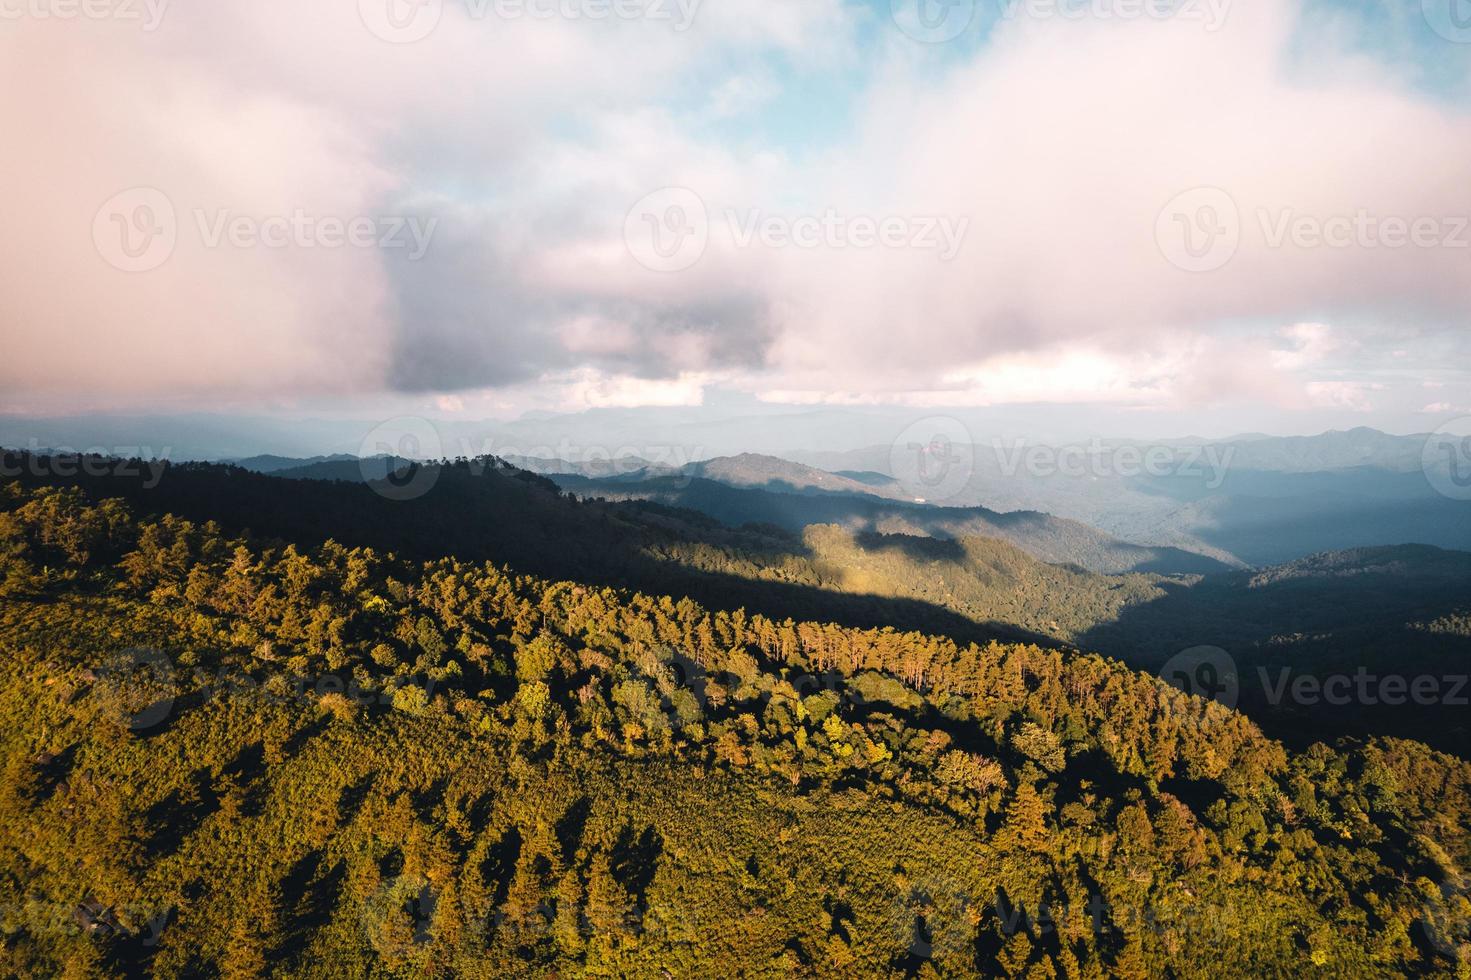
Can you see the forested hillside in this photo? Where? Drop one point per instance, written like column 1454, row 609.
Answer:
column 1389, row 615
column 227, row 754
column 1044, row 537
column 484, row 509
column 763, row 490
column 1372, row 611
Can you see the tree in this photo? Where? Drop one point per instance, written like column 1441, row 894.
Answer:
column 1026, row 819
column 1015, row 953
column 567, row 928
column 609, row 906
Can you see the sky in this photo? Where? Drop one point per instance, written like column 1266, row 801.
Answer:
column 1173, row 216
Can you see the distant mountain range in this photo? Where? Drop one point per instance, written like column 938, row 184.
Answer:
column 1254, row 500
column 1257, row 500
column 1044, row 537
column 1251, row 500
column 1404, row 610
column 764, row 490
column 277, row 464
column 338, row 467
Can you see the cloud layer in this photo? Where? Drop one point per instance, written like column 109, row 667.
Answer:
column 1151, row 211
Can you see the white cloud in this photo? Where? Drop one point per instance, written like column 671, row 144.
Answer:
column 589, row 389
column 1311, row 343
column 1059, row 141
column 1350, row 395
column 741, row 94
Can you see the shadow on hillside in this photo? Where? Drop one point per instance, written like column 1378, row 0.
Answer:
column 521, row 521
column 1334, row 622
column 793, row 509
column 912, row 546
column 1321, row 634
column 1267, row 519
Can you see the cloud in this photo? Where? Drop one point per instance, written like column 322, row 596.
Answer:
column 272, row 109
column 1058, row 143
column 741, row 94
column 1311, row 343
column 1064, row 141
column 1353, row 396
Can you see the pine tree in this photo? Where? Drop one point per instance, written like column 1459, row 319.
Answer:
column 244, row 957
column 525, row 906
column 1130, row 963
column 1026, row 820
column 567, row 928
column 608, row 903
column 1014, row 954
